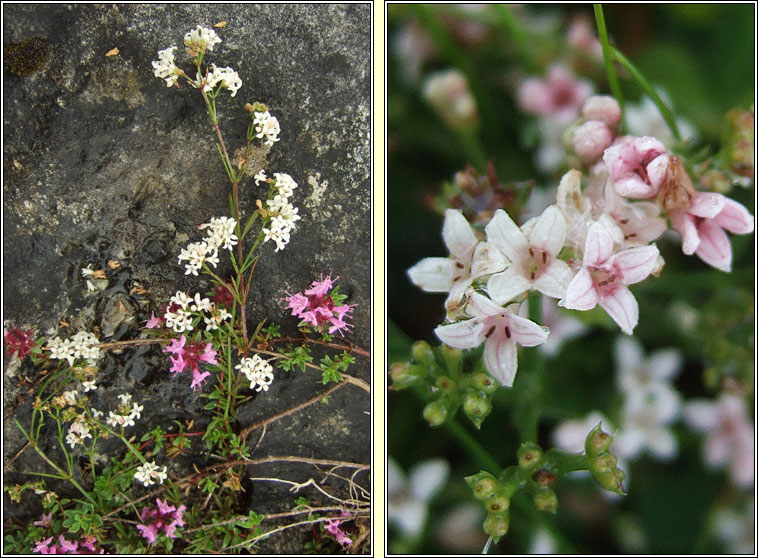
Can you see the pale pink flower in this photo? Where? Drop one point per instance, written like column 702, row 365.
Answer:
column 646, row 417
column 591, row 139
column 604, row 276
column 154, row 321
column 637, row 166
column 702, row 225
column 603, row 108
column 559, row 96
column 44, row 521
column 533, row 254
column 499, row 329
column 469, row 259
column 43, row 546
column 581, row 35
column 637, row 373
column 730, row 436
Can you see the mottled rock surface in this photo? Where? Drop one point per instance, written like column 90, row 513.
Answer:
column 103, row 162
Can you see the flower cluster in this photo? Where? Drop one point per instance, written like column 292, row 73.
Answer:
column 77, row 433
column 227, row 77
column 266, row 126
column 258, row 371
column 164, row 517
column 220, row 235
column 584, row 251
column 166, row 68
column 18, row 342
column 86, row 545
column 126, row 413
column 187, row 356
column 178, row 315
column 283, row 213
column 200, row 39
column 148, row 473
column 81, row 345
column 332, row 526
column 321, row 306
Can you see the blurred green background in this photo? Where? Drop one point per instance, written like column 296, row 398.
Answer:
column 703, row 56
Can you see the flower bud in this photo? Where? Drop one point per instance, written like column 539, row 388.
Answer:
column 496, row 524
column 603, row 108
column 422, row 352
column 591, row 139
column 529, row 454
column 604, row 463
column 612, row 480
column 597, row 441
column 448, row 92
column 484, row 488
column 484, row 382
column 476, row 405
column 545, row 500
column 435, row 413
column 498, row 503
column 401, row 373
column 445, row 383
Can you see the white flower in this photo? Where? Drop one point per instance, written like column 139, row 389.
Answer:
column 284, row 184
column 201, row 304
column 95, row 413
column 408, row 496
column 89, row 385
column 635, row 373
column 218, row 316
column 83, row 344
column 197, row 254
column 61, row 349
column 645, row 423
column 200, row 39
column 149, row 472
column 260, row 177
column 179, row 320
column 221, row 234
column 279, row 232
column 266, row 126
column 258, row 371
column 125, row 398
column 469, row 259
column 226, row 76
column 77, row 432
column 165, row 67
column 136, row 411
column 70, row 396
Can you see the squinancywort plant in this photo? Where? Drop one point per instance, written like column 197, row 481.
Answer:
column 207, row 334
column 587, row 249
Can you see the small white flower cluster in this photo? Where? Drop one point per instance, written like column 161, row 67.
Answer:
column 258, row 371
column 70, row 397
column 226, row 76
column 266, row 126
column 200, row 39
column 148, row 473
column 165, row 68
column 206, row 251
column 81, row 345
column 179, row 315
column 77, row 432
column 126, row 415
column 284, row 213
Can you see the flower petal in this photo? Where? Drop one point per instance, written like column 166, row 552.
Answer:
column 662, row 443
column 500, row 358
column 735, row 218
column 525, row 332
column 685, row 224
column 622, row 307
column 427, row 477
column 507, row 285
column 487, row 260
column 664, row 364
column 461, row 335
column 549, row 232
column 581, row 293
column 479, row 306
column 506, row 236
column 701, row 414
column 458, row 235
column 636, row 263
column 554, row 280
column 599, row 245
column 715, row 248
column 433, row 275
column 706, row 204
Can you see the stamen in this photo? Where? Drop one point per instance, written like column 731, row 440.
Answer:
column 507, row 332
column 490, row 330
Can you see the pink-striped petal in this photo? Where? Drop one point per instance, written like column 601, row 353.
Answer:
column 599, row 245
column 480, row 307
column 685, row 224
column 636, row 263
column 554, row 280
column 706, row 204
column 501, row 359
column 458, row 236
column 715, row 248
column 581, row 293
column 525, row 332
column 622, row 308
column 461, row 335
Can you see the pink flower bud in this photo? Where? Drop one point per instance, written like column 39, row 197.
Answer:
column 603, row 108
column 591, row 139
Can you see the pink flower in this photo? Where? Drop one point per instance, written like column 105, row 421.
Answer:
column 730, row 435
column 154, row 321
column 604, row 277
column 317, row 307
column 560, row 96
column 150, row 532
column 67, row 546
column 176, row 346
column 42, row 546
column 637, row 166
column 19, row 342
column 188, row 357
column 44, row 521
column 603, row 108
column 702, row 222
column 332, row 526
column 533, row 252
column 500, row 329
column 198, row 378
column 591, row 139
column 177, row 364
column 166, row 517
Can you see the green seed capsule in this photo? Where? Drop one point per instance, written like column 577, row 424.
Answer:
column 496, row 524
column 529, row 454
column 484, row 488
column 476, row 404
column 498, row 503
column 546, row 500
column 445, row 383
column 484, row 382
column 422, row 352
column 435, row 413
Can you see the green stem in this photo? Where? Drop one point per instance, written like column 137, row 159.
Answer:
column 480, row 455
column 666, row 113
column 613, row 81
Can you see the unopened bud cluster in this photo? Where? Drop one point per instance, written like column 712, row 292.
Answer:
column 441, row 372
column 601, row 462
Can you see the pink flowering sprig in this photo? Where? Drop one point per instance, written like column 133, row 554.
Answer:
column 21, row 343
column 322, row 307
column 163, row 519
column 188, row 356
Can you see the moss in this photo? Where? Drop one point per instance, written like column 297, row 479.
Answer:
column 27, row 57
